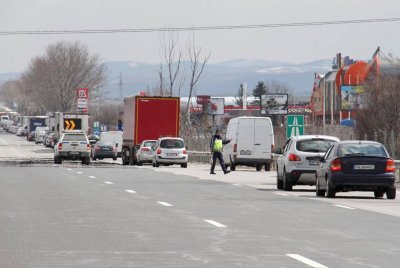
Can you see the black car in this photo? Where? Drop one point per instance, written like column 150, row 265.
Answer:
column 104, row 150
column 356, row 166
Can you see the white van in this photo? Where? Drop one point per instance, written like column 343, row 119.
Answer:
column 252, row 142
column 113, row 137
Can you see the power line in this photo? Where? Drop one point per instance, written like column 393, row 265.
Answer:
column 199, row 28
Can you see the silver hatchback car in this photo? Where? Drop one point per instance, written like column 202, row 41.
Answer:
column 169, row 151
column 297, row 163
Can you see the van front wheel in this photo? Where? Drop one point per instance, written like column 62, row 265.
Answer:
column 258, row 167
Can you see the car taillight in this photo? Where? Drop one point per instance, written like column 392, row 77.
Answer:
column 60, row 146
column 390, row 166
column 158, row 151
column 235, row 148
column 88, row 147
column 336, row 165
column 293, row 157
column 272, row 147
column 184, row 151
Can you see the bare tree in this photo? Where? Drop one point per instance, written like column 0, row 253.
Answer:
column 172, row 57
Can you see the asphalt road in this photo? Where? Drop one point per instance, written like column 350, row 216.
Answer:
column 109, row 215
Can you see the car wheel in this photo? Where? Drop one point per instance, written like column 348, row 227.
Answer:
column 258, row 167
column 318, row 191
column 330, row 191
column 267, row 167
column 233, row 167
column 139, row 163
column 279, row 182
column 156, row 164
column 287, row 184
column 184, row 165
column 57, row 160
column 114, row 158
column 378, row 193
column 86, row 161
column 125, row 159
column 391, row 193
column 94, row 158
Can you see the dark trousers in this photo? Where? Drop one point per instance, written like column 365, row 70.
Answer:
column 218, row 155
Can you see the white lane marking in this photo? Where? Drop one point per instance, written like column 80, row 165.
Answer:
column 236, row 184
column 307, row 261
column 204, row 178
column 92, row 177
column 79, row 172
column 131, row 191
column 341, row 206
column 108, row 182
column 220, row 225
column 69, row 169
column 278, row 193
column 165, row 204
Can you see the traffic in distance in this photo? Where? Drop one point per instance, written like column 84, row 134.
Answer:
column 151, row 136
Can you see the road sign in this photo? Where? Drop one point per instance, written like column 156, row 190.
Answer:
column 73, row 124
column 294, row 125
column 83, row 93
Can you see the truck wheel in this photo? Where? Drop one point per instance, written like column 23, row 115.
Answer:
column 258, row 167
column 267, row 167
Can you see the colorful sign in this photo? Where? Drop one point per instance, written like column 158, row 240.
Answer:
column 352, row 98
column 214, row 106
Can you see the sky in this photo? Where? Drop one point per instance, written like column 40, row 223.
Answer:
column 286, row 44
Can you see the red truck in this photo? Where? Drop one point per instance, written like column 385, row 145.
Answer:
column 148, row 118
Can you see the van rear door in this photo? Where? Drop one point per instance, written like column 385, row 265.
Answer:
column 262, row 139
column 245, row 138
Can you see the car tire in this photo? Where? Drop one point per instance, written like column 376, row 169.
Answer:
column 125, row 160
column 287, row 184
column 258, row 167
column 267, row 167
column 233, row 167
column 94, row 158
column 86, row 161
column 139, row 163
column 319, row 191
column 184, row 165
column 378, row 193
column 330, row 190
column 156, row 164
column 114, row 158
column 391, row 193
column 57, row 160
column 279, row 182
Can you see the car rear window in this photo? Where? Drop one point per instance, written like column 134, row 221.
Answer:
column 74, row 137
column 362, row 149
column 149, row 143
column 314, row 145
column 172, row 144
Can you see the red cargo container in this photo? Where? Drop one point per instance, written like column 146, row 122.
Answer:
column 148, row 118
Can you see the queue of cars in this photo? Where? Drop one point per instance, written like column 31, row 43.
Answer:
column 336, row 166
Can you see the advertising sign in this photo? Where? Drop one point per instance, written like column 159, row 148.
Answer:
column 201, row 99
column 351, row 97
column 82, row 99
column 83, row 93
column 214, row 106
column 274, row 104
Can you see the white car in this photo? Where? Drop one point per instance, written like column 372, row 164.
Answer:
column 169, row 151
column 143, row 154
column 297, row 163
column 72, row 145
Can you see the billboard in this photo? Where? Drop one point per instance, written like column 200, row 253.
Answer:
column 214, row 106
column 274, row 104
column 351, row 97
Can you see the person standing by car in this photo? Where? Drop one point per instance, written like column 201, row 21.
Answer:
column 216, row 146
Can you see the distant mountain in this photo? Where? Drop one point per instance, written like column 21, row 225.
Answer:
column 219, row 79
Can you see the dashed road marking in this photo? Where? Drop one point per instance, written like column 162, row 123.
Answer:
column 131, row 191
column 165, row 204
column 236, row 184
column 346, row 207
column 307, row 261
column 79, row 172
column 278, row 193
column 92, row 177
column 69, row 169
column 108, row 182
column 219, row 225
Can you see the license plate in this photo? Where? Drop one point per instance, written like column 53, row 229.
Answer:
column 314, row 162
column 364, row 166
column 172, row 154
column 74, row 153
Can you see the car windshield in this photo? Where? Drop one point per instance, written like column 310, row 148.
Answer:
column 149, row 143
column 74, row 137
column 172, row 144
column 314, row 145
column 362, row 149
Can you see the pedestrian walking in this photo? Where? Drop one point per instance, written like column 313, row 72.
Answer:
column 216, row 146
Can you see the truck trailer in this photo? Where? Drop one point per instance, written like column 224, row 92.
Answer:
column 148, row 118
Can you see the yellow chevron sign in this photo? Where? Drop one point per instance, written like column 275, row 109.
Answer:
column 69, row 124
